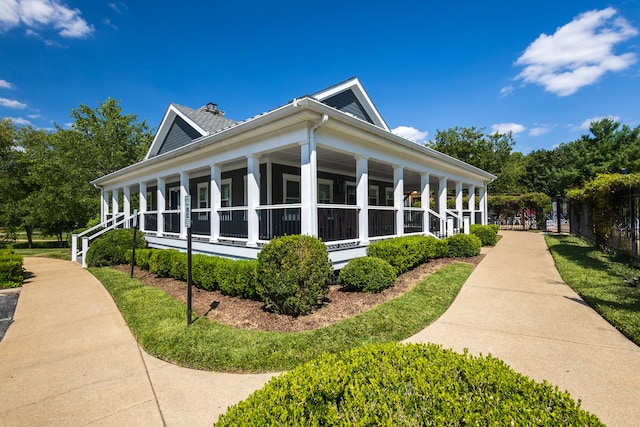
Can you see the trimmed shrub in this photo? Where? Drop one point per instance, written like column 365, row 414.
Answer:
column 367, row 274
column 294, row 274
column 464, row 245
column 112, row 248
column 406, row 384
column 10, row 270
column 142, row 257
column 238, row 277
column 407, row 252
column 488, row 234
column 161, row 262
column 204, row 271
column 440, row 248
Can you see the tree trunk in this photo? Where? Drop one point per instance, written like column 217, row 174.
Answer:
column 29, row 231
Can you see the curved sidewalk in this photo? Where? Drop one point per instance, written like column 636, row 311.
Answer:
column 70, row 360
column 516, row 307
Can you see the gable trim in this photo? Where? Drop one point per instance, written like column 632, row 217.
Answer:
column 165, row 127
column 362, row 96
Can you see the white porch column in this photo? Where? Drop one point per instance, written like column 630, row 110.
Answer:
column 161, row 206
column 472, row 203
column 114, row 204
column 425, row 199
column 398, row 198
column 104, row 208
column 442, row 203
column 459, row 206
column 184, row 192
column 483, row 205
column 142, row 205
column 362, row 198
column 308, row 190
column 215, row 203
column 126, row 203
column 253, row 199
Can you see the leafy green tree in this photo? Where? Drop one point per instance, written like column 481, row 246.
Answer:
column 45, row 177
column 16, row 183
column 113, row 140
column 490, row 152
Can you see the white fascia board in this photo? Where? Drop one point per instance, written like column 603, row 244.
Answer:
column 355, row 85
column 394, row 140
column 165, row 126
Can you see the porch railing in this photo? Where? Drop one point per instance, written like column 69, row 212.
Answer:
column 413, row 220
column 279, row 220
column 113, row 221
column 201, row 222
column 233, row 223
column 382, row 221
column 171, row 221
column 337, row 223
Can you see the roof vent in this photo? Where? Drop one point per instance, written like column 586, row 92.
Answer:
column 213, row 109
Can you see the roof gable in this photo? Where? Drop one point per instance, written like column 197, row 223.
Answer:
column 351, row 98
column 181, row 125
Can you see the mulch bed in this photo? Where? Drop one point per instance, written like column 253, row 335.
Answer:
column 242, row 313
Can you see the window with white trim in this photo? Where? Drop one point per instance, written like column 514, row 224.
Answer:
column 325, row 191
column 225, row 193
column 373, row 195
column 388, row 193
column 203, row 195
column 291, row 188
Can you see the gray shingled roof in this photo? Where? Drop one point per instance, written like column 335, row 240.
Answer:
column 205, row 119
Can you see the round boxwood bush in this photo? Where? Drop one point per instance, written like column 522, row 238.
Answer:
column 367, row 274
column 294, row 274
column 464, row 245
column 488, row 235
column 406, row 385
column 112, row 247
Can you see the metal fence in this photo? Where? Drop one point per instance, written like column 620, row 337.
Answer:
column 624, row 224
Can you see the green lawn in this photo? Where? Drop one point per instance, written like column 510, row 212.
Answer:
column 599, row 279
column 159, row 323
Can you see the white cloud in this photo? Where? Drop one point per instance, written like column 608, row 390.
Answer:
column 586, row 124
column 578, row 53
column 505, row 128
column 506, row 91
column 5, row 84
column 411, row 133
column 538, row 131
column 20, row 121
column 35, row 14
column 12, row 103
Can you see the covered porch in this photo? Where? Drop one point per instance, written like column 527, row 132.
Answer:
column 346, row 199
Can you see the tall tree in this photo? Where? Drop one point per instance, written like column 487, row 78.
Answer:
column 45, row 177
column 112, row 139
column 490, row 152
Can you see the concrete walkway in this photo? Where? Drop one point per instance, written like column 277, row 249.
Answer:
column 70, row 360
column 516, row 307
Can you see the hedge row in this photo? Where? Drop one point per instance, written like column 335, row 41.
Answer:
column 10, row 269
column 407, row 252
column 406, row 385
column 231, row 277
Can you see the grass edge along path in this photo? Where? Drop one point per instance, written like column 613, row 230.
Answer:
column 159, row 324
column 599, row 280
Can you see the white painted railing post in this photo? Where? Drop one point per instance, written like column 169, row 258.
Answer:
column 74, row 247
column 85, row 249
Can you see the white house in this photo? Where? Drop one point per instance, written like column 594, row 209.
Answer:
column 325, row 165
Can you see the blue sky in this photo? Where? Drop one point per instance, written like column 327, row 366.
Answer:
column 541, row 69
